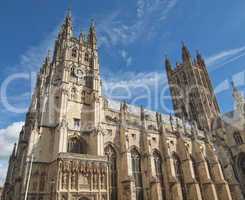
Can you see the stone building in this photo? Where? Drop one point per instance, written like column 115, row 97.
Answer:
column 1, row 190
column 77, row 144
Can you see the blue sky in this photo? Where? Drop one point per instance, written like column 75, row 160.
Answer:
column 134, row 37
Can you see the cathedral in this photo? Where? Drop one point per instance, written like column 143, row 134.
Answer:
column 77, row 144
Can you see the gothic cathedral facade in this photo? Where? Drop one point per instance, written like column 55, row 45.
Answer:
column 78, row 145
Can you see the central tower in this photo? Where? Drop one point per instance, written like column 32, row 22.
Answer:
column 191, row 89
column 73, row 88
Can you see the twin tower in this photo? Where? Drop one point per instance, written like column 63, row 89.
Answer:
column 192, row 92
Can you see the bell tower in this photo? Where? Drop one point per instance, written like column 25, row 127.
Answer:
column 191, row 89
column 73, row 90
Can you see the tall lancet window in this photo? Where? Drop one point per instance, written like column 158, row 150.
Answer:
column 112, row 158
column 159, row 171
column 238, row 138
column 180, row 176
column 136, row 167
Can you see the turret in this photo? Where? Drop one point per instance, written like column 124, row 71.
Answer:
column 186, row 56
column 47, row 63
column 239, row 99
column 13, row 152
column 81, row 38
column 92, row 36
column 168, row 66
column 67, row 28
column 200, row 60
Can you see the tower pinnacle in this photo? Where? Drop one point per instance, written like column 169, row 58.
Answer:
column 186, row 56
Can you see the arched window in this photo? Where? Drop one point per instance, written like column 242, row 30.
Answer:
column 136, row 167
column 73, row 93
column 76, row 145
column 241, row 162
column 180, row 175
column 112, row 158
column 159, row 171
column 184, row 78
column 42, row 182
column 238, row 138
column 74, row 53
column 86, row 57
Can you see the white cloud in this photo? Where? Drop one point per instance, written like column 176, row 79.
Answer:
column 126, row 57
column 8, row 136
column 149, row 15
column 118, row 84
column 224, row 57
column 3, row 172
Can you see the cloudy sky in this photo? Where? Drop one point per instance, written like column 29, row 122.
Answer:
column 134, row 37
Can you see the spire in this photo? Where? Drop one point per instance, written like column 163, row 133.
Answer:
column 14, row 151
column 200, row 60
column 92, row 35
column 234, row 88
column 168, row 65
column 66, row 29
column 186, row 56
column 239, row 99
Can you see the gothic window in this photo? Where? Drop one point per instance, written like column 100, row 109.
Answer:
column 112, row 158
column 178, row 81
column 42, row 182
column 241, row 162
column 74, row 53
column 209, row 168
column 76, row 145
column 159, row 170
column 180, row 175
column 137, row 174
column 77, row 124
column 184, row 78
column 73, row 93
column 83, row 96
column 86, row 57
column 238, row 138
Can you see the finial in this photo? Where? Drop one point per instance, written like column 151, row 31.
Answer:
column 92, row 23
column 69, row 10
column 183, row 43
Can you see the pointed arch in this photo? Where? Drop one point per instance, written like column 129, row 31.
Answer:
column 137, row 173
column 238, row 138
column 77, row 145
column 158, row 162
column 111, row 154
column 74, row 52
column 180, row 175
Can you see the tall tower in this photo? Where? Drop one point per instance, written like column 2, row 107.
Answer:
column 191, row 89
column 61, row 139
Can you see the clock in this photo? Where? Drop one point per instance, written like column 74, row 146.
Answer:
column 78, row 72
column 56, row 81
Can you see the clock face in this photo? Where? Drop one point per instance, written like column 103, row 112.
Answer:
column 78, row 72
column 56, row 81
